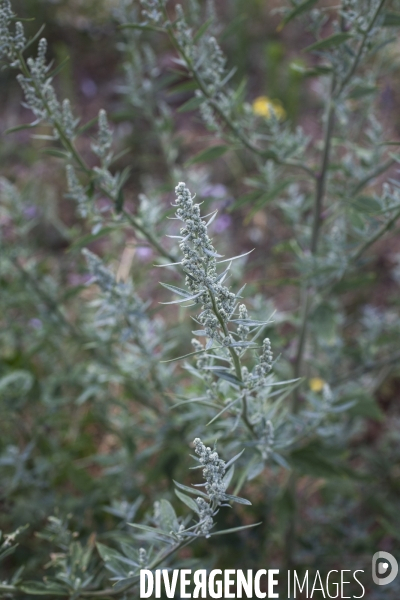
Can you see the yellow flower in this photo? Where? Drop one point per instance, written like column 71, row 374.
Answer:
column 264, row 107
column 316, row 384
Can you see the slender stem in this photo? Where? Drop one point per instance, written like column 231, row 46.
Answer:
column 235, row 358
column 378, row 171
column 236, row 362
column 320, row 188
column 379, row 233
column 222, row 114
column 358, row 56
column 302, row 341
column 322, row 175
column 149, row 236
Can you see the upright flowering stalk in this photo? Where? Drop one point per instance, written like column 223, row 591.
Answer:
column 217, row 475
column 229, row 333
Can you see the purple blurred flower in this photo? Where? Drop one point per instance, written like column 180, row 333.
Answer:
column 221, row 223
column 88, row 87
column 214, row 191
column 31, row 211
column 35, row 323
column 144, row 253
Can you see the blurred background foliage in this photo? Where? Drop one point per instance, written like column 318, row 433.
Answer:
column 72, row 443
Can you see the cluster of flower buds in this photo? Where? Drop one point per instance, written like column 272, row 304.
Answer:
column 10, row 43
column 213, row 471
column 199, row 262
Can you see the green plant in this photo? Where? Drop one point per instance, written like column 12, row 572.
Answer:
column 100, row 436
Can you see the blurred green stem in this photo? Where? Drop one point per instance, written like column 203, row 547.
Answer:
column 320, row 189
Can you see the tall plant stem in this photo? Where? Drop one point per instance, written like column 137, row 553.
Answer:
column 319, row 195
column 320, row 189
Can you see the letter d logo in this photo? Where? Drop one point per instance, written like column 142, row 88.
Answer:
column 383, row 567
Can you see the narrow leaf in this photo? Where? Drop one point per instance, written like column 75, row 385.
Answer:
column 235, row 257
column 162, row 535
column 206, row 155
column 56, row 153
column 228, row 377
column 391, row 19
column 227, row 407
column 193, row 297
column 177, row 290
column 234, row 459
column 202, row 30
column 298, row 10
column 330, row 42
column 188, row 501
column 234, row 529
column 141, row 27
column 191, row 104
column 194, row 491
column 238, row 499
column 184, row 356
column 21, row 127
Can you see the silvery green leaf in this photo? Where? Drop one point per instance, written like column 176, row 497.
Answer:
column 50, row 588
column 248, row 345
column 296, row 11
column 250, row 322
column 343, row 407
column 238, row 296
column 228, row 377
column 211, row 219
column 278, row 458
column 169, row 264
column 184, row 356
column 222, row 276
column 7, row 552
column 190, row 490
column 283, row 382
column 227, row 407
column 228, row 476
column 193, row 297
column 333, row 40
column 234, row 459
column 254, row 470
column 202, row 30
column 168, row 519
column 235, row 257
column 237, row 499
column 228, row 76
column 205, row 401
column 177, row 290
column 234, row 529
column 155, row 532
column 210, row 253
column 188, row 501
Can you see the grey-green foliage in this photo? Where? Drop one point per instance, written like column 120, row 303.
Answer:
column 112, row 351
